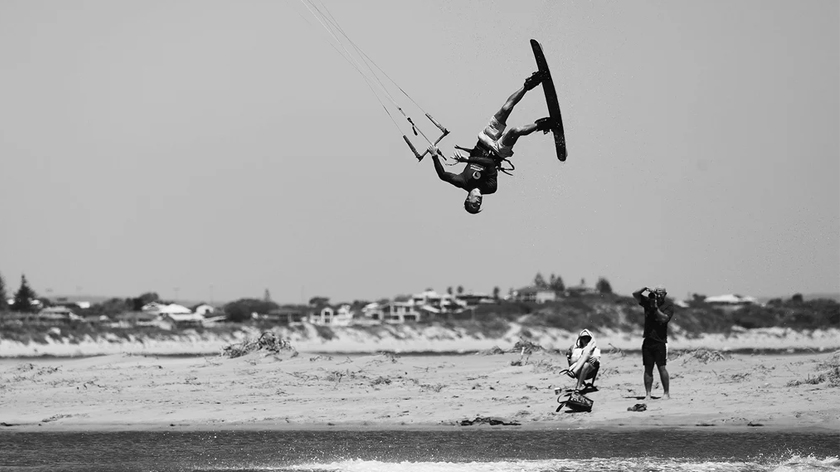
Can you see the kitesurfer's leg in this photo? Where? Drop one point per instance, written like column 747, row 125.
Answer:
column 532, row 81
column 510, row 135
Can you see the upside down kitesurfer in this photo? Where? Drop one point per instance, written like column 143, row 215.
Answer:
column 495, row 145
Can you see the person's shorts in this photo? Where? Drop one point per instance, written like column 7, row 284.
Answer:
column 491, row 137
column 654, row 352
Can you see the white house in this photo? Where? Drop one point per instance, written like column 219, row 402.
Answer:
column 535, row 294
column 731, row 299
column 322, row 316
column 182, row 319
column 329, row 315
column 204, row 309
column 164, row 309
column 58, row 313
column 401, row 310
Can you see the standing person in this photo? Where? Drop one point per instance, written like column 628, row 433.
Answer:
column 658, row 313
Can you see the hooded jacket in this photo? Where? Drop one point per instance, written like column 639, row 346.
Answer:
column 578, row 354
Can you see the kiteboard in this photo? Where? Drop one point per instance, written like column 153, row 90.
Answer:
column 551, row 100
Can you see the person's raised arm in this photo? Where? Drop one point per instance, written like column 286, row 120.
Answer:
column 638, row 294
column 441, row 172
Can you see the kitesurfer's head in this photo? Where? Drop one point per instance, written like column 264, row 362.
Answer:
column 473, row 202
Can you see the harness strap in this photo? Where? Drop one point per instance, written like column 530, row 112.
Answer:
column 482, row 150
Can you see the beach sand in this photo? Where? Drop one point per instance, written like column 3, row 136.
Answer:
column 262, row 390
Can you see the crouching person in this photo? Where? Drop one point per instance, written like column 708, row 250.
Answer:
column 584, row 359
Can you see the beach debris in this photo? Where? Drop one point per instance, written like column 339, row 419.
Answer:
column 616, row 351
column 637, row 407
column 380, row 381
column 55, row 418
column 389, row 356
column 525, row 347
column 495, row 350
column 492, row 421
column 320, row 358
column 704, row 355
column 268, row 341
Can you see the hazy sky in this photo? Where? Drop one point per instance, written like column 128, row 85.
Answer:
column 214, row 149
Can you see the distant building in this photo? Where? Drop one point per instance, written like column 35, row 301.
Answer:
column 58, row 313
column 156, row 308
column 335, row 315
column 473, row 298
column 731, row 299
column 580, row 289
column 730, row 302
column 288, row 314
column 535, row 295
column 181, row 320
column 203, row 309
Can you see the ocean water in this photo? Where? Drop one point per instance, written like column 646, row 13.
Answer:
column 469, row 449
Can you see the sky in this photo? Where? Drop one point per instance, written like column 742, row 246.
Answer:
column 212, row 150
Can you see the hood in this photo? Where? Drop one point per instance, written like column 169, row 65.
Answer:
column 583, row 333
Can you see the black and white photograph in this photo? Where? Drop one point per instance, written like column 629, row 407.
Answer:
column 422, row 236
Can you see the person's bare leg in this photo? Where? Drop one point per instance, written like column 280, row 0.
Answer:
column 663, row 377
column 504, row 112
column 648, row 381
column 584, row 372
column 511, row 135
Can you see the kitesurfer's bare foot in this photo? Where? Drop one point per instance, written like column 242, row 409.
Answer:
column 666, row 396
column 647, row 398
column 533, row 80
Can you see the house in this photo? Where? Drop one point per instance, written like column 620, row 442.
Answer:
column 335, row 315
column 58, row 313
column 181, row 320
column 580, row 289
column 203, row 309
column 473, row 299
column 321, row 315
column 375, row 311
column 432, row 302
column 288, row 314
column 535, row 294
column 139, row 318
column 402, row 309
column 730, row 301
column 165, row 309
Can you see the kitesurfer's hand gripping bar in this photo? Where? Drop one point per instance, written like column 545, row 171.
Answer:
column 443, row 130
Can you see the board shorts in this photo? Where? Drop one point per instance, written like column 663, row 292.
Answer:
column 491, row 136
column 654, row 352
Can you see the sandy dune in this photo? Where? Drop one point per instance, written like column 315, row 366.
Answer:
column 278, row 391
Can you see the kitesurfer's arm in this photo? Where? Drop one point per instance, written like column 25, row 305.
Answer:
column 454, row 179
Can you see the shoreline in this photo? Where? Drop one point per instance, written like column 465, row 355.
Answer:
column 361, row 427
